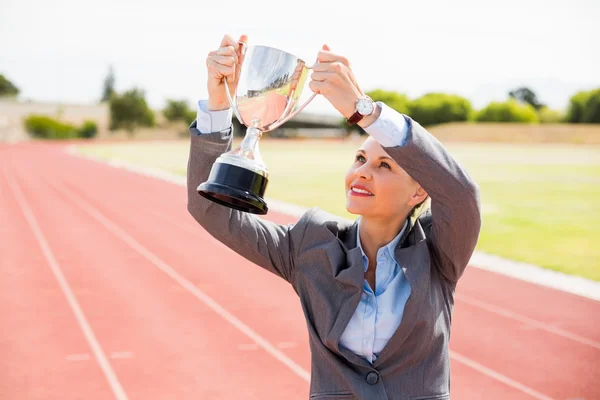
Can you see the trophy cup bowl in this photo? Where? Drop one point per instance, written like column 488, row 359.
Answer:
column 269, row 87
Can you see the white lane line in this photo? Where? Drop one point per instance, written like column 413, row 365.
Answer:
column 110, row 375
column 167, row 269
column 499, row 377
column 537, row 275
column 286, row 345
column 193, row 230
column 528, row 321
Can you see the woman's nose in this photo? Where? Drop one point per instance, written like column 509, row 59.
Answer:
column 363, row 172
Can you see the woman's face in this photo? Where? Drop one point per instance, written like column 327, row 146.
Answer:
column 390, row 189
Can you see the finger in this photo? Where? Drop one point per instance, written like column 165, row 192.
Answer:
column 228, row 61
column 328, row 56
column 243, row 41
column 228, row 51
column 326, row 48
column 323, row 76
column 218, row 71
column 214, row 58
column 295, row 77
column 337, row 68
column 318, row 87
column 228, row 41
column 328, row 67
column 241, row 51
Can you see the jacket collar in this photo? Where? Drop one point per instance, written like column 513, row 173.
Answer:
column 352, row 278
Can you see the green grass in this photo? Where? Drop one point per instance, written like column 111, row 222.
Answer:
column 541, row 203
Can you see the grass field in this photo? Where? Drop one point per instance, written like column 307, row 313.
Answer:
column 541, row 202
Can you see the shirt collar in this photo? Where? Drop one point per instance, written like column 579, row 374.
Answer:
column 391, row 246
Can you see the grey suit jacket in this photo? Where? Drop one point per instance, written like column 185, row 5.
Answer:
column 319, row 258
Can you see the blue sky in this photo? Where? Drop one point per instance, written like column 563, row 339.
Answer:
column 61, row 50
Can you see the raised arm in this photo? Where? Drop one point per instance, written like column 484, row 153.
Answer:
column 455, row 203
column 265, row 243
column 455, row 196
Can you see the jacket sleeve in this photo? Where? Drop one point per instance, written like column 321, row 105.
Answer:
column 265, row 243
column 455, row 198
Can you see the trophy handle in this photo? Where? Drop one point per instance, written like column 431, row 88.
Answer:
column 243, row 46
column 295, row 112
column 232, row 101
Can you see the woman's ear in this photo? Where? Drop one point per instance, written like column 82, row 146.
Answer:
column 418, row 196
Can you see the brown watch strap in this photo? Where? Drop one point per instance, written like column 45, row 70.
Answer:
column 355, row 118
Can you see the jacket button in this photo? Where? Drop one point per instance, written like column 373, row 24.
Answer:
column 372, row 378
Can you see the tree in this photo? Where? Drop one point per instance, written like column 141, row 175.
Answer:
column 177, row 110
column 508, row 111
column 7, row 88
column 395, row 100
column 549, row 116
column 584, row 107
column 526, row 95
column 129, row 111
column 109, row 85
column 577, row 107
column 440, row 108
column 591, row 114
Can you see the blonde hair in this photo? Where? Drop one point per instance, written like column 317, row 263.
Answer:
column 419, row 209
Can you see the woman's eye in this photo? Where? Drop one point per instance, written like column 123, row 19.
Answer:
column 386, row 165
column 360, row 158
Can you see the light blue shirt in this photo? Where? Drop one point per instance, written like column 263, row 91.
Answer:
column 379, row 312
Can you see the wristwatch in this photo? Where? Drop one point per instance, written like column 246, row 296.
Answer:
column 364, row 106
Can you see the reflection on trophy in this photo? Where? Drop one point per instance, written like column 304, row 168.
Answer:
column 270, row 85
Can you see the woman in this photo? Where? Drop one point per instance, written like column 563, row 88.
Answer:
column 377, row 293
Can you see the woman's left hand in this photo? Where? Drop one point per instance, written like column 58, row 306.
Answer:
column 333, row 78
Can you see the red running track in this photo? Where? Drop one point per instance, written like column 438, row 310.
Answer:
column 110, row 290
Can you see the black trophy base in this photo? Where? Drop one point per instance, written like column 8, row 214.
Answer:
column 235, row 187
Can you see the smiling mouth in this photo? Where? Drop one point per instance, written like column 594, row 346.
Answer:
column 361, row 192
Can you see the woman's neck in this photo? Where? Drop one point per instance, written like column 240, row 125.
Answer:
column 376, row 233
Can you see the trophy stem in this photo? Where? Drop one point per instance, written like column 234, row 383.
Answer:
column 247, row 154
column 249, row 146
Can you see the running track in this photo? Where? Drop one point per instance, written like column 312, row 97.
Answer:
column 110, row 290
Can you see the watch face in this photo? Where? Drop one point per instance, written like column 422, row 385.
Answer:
column 365, row 106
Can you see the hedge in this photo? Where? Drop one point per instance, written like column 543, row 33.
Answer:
column 44, row 127
column 508, row 111
column 584, row 107
column 439, row 108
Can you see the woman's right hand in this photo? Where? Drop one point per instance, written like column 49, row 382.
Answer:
column 224, row 63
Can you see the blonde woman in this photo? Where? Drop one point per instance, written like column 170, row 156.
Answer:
column 377, row 293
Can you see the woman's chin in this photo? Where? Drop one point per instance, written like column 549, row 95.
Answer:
column 358, row 209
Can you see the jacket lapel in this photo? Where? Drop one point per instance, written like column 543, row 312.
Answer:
column 417, row 271
column 350, row 280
